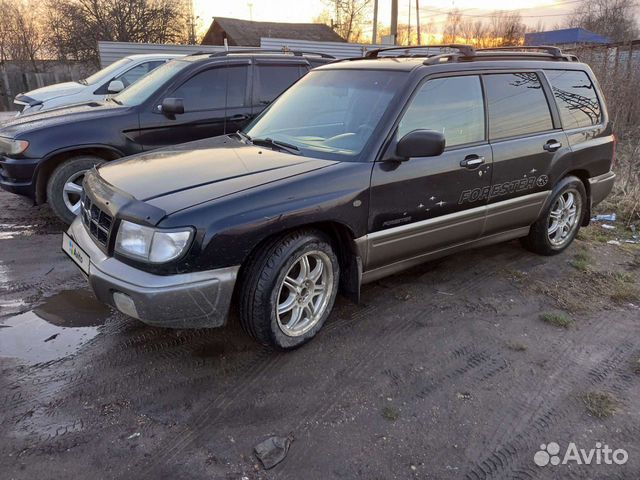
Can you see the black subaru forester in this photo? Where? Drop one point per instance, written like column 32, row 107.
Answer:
column 363, row 168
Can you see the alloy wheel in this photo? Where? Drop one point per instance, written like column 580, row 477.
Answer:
column 564, row 217
column 304, row 293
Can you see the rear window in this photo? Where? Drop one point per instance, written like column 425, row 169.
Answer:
column 517, row 105
column 576, row 98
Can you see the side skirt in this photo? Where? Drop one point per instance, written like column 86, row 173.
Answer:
column 378, row 273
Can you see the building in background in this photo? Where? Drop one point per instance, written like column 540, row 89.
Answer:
column 566, row 36
column 248, row 33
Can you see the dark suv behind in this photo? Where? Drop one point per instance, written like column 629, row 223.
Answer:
column 44, row 156
column 361, row 169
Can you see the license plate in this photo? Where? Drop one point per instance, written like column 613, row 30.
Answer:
column 77, row 254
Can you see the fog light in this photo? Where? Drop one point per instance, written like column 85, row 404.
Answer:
column 125, row 304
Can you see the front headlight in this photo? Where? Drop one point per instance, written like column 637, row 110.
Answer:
column 11, row 146
column 149, row 244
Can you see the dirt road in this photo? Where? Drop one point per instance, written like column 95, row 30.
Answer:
column 460, row 368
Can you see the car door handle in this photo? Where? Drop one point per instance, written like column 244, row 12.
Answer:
column 552, row 145
column 239, row 117
column 472, row 161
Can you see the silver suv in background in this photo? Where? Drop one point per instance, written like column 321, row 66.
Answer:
column 111, row 79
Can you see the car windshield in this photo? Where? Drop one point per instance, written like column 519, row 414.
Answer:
column 105, row 73
column 329, row 113
column 141, row 90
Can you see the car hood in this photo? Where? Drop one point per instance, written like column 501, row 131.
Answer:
column 177, row 178
column 60, row 116
column 55, row 91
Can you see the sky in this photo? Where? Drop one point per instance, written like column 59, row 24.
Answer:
column 550, row 12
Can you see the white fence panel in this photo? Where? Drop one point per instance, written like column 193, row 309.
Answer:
column 337, row 49
column 113, row 51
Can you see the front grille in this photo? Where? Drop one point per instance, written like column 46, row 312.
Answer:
column 97, row 221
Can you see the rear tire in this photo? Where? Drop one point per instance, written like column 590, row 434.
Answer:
column 288, row 289
column 64, row 187
column 560, row 221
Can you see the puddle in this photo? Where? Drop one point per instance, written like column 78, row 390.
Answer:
column 53, row 330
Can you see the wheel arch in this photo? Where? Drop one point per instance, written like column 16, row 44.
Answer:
column 52, row 161
column 343, row 240
column 584, row 176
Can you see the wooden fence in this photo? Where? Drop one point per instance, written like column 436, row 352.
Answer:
column 17, row 78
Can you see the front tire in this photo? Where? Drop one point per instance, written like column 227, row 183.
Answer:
column 64, row 187
column 560, row 221
column 289, row 289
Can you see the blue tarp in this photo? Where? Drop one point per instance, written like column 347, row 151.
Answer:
column 560, row 37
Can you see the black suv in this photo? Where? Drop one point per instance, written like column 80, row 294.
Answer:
column 44, row 156
column 363, row 168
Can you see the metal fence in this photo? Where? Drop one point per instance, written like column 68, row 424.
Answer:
column 113, row 51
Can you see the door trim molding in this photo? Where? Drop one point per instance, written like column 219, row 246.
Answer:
column 387, row 241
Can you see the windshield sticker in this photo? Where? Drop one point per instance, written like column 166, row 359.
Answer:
column 501, row 189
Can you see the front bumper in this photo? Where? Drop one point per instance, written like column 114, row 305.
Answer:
column 189, row 300
column 17, row 175
column 600, row 187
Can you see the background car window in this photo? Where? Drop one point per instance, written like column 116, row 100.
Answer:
column 453, row 106
column 576, row 98
column 137, row 72
column 517, row 105
column 273, row 80
column 213, row 89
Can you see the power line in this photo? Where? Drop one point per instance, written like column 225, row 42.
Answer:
column 503, row 12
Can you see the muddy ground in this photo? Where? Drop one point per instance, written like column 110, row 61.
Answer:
column 445, row 371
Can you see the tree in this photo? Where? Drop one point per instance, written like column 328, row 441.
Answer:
column 614, row 19
column 349, row 18
column 451, row 30
column 507, row 29
column 21, row 32
column 76, row 26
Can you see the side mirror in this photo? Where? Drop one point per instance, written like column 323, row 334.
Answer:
column 421, row 143
column 172, row 106
column 115, row 86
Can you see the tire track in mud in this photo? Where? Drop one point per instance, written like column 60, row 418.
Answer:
column 471, row 358
column 518, row 450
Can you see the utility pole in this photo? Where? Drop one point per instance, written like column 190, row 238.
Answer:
column 418, row 21
column 374, row 35
column 394, row 21
column 409, row 26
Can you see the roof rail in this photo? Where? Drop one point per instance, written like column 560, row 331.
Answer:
column 466, row 50
column 296, row 53
column 553, row 51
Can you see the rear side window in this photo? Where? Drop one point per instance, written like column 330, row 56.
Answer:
column 273, row 80
column 576, row 98
column 213, row 89
column 452, row 105
column 517, row 105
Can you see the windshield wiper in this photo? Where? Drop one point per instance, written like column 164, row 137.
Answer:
column 82, row 82
column 114, row 100
column 243, row 136
column 270, row 142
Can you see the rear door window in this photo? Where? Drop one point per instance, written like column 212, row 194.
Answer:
column 272, row 80
column 215, row 88
column 517, row 105
column 452, row 105
column 576, row 97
